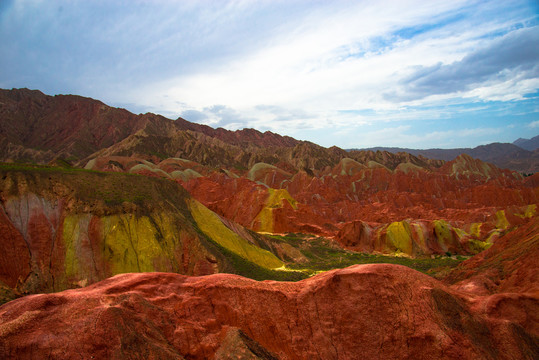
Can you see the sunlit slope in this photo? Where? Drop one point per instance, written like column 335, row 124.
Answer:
column 63, row 228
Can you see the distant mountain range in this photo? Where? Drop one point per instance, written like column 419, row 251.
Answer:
column 35, row 127
column 43, row 129
column 528, row 144
column 522, row 155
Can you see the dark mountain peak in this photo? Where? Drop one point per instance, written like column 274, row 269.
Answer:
column 22, row 93
column 528, row 144
column 40, row 128
column 520, row 141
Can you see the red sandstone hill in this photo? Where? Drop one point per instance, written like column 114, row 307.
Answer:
column 369, row 207
column 508, row 266
column 276, row 184
column 407, row 205
column 366, row 311
column 58, row 230
column 39, row 128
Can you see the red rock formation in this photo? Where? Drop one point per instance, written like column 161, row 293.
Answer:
column 509, row 265
column 367, row 311
column 463, row 192
column 62, row 126
column 15, row 256
column 458, row 193
column 59, row 231
column 329, row 187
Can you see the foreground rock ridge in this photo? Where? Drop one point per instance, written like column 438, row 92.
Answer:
column 364, row 311
column 138, row 237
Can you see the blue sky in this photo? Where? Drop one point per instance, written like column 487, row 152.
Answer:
column 355, row 74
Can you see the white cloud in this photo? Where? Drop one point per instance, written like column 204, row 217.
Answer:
column 307, row 61
column 283, row 66
column 407, row 136
column 331, row 61
column 534, row 124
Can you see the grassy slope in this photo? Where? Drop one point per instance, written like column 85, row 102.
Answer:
column 323, row 255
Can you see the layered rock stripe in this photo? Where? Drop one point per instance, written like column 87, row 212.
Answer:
column 59, row 232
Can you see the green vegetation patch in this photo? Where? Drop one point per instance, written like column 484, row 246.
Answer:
column 251, row 270
column 324, row 255
column 91, row 187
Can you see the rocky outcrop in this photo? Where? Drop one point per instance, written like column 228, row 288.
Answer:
column 460, row 207
column 367, row 311
column 59, row 230
column 37, row 127
column 508, row 266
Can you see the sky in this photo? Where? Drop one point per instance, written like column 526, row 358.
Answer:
column 355, row 74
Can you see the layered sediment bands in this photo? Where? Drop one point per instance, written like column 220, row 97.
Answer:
column 62, row 229
column 212, row 225
column 371, row 311
column 37, row 127
column 416, row 238
column 460, row 208
column 441, row 209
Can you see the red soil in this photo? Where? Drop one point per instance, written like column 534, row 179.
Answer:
column 364, row 311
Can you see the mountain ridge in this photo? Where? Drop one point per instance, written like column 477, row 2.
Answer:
column 504, row 155
column 42, row 128
column 78, row 127
column 528, row 144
